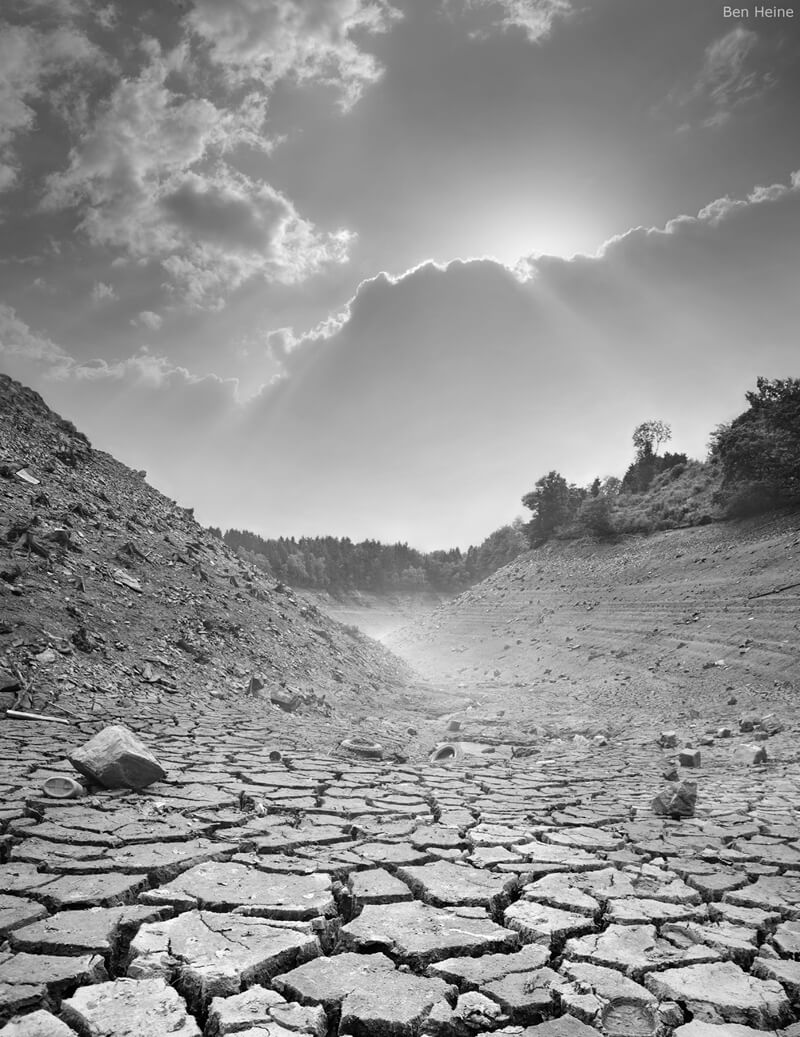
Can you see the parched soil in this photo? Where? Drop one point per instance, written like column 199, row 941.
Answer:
column 284, row 878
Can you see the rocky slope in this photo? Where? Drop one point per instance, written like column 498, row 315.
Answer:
column 113, row 597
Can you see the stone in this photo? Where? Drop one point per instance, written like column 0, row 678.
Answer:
column 371, row 995
column 36, row 1024
column 750, row 755
column 116, row 758
column 677, row 801
column 129, row 1008
column 208, row 954
column 668, row 739
column 416, row 933
column 689, row 758
column 720, row 992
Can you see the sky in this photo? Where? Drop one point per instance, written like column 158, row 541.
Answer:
column 370, row 268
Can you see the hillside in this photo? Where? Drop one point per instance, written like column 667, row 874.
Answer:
column 678, row 619
column 113, row 597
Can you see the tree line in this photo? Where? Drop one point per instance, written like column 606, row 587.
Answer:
column 337, row 564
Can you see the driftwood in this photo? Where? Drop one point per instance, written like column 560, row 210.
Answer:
column 775, row 590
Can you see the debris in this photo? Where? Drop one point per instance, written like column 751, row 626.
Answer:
column 18, row 715
column 363, row 747
column 447, row 752
column 63, row 788
column 116, row 758
column 25, row 476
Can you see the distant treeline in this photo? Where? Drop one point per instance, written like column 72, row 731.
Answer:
column 753, row 466
column 337, row 564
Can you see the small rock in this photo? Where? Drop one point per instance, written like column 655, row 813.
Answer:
column 668, row 739
column 689, row 758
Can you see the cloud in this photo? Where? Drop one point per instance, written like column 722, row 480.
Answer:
column 102, row 292
column 471, row 375
column 32, row 65
column 534, row 17
column 728, row 79
column 150, row 180
column 149, row 320
column 302, row 40
column 17, row 340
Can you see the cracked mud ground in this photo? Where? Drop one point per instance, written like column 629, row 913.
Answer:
column 276, row 883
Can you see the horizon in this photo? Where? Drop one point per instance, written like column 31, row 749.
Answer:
column 375, row 268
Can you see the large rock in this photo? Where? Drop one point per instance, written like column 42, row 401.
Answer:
column 116, row 758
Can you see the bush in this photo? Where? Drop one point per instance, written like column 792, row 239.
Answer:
column 595, row 517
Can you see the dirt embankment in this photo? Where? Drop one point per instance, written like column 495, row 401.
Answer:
column 662, row 623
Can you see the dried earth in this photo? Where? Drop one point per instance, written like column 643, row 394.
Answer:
column 277, row 883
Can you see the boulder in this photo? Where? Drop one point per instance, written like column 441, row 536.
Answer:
column 116, row 758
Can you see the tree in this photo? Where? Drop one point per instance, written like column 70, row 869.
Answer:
column 762, row 446
column 649, row 436
column 551, row 502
